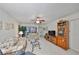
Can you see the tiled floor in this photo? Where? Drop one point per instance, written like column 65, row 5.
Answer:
column 48, row 48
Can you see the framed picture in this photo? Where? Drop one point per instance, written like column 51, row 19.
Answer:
column 6, row 26
column 1, row 25
column 9, row 26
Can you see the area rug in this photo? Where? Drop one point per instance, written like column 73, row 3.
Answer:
column 24, row 53
column 29, row 53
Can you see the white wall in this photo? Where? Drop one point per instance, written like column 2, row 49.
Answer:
column 4, row 18
column 74, row 35
column 53, row 26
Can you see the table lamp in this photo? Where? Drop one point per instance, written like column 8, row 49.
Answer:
column 21, row 33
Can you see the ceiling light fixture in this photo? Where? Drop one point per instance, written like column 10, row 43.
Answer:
column 39, row 20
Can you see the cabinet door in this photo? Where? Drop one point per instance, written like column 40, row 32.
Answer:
column 74, row 35
column 59, row 41
column 62, row 42
column 54, row 40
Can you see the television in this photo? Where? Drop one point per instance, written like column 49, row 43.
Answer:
column 52, row 33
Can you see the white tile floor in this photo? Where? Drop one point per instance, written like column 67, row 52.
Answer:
column 48, row 48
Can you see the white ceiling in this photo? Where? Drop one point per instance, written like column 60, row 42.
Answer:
column 25, row 12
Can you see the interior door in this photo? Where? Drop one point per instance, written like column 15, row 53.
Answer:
column 74, row 35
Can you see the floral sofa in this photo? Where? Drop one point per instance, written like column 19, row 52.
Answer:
column 11, row 45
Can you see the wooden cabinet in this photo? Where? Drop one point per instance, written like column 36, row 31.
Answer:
column 50, row 38
column 62, row 37
column 63, row 34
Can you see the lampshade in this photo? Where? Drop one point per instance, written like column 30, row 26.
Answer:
column 37, row 21
column 21, row 32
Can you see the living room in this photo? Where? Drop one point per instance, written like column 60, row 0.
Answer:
column 30, row 21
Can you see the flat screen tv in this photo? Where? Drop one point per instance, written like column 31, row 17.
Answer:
column 52, row 33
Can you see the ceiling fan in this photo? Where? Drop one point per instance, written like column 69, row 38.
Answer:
column 39, row 20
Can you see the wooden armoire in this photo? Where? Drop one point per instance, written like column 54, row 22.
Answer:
column 62, row 38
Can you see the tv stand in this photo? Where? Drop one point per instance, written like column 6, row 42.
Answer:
column 50, row 38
